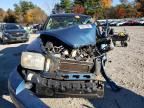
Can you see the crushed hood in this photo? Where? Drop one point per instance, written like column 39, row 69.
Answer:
column 74, row 36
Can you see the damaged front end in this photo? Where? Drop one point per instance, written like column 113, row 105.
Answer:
column 68, row 65
column 67, row 59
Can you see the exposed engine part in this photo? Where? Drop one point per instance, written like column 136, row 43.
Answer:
column 75, row 66
column 87, row 53
column 74, row 60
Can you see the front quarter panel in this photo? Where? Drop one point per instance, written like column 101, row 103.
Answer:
column 36, row 46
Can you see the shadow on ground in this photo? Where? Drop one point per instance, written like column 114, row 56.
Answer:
column 122, row 99
column 9, row 59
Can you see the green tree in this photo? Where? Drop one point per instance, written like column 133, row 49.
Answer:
column 66, row 5
column 35, row 16
column 27, row 12
column 112, row 13
column 139, row 5
column 10, row 17
column 57, row 9
column 23, row 6
column 94, row 8
column 79, row 2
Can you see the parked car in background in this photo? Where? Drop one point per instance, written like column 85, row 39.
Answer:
column 121, row 23
column 141, row 22
column 132, row 23
column 35, row 28
column 12, row 32
column 102, row 23
column 113, row 23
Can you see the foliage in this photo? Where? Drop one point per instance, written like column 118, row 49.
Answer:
column 2, row 14
column 104, row 9
column 24, row 12
column 35, row 15
column 111, row 13
column 106, row 3
column 79, row 9
column 10, row 17
column 57, row 9
column 79, row 2
column 139, row 5
column 66, row 5
column 23, row 7
column 94, row 8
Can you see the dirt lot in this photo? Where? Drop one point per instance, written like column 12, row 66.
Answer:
column 125, row 67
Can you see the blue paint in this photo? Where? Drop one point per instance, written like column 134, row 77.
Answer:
column 74, row 36
column 22, row 97
column 20, row 87
column 35, row 46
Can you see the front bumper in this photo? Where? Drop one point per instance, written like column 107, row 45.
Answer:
column 22, row 97
column 66, row 84
column 16, row 39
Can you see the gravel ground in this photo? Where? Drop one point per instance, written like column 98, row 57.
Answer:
column 125, row 66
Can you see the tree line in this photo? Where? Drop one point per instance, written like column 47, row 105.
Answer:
column 24, row 12
column 102, row 8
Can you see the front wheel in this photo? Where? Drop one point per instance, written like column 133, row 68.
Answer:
column 3, row 41
column 125, row 44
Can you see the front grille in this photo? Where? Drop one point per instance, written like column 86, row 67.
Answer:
column 17, row 34
column 75, row 66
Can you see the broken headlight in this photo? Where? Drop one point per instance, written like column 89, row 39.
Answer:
column 34, row 61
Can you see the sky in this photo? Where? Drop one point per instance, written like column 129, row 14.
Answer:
column 115, row 2
column 46, row 5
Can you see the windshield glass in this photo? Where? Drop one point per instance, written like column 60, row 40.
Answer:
column 12, row 26
column 57, row 22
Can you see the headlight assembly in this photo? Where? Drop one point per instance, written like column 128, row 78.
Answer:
column 34, row 61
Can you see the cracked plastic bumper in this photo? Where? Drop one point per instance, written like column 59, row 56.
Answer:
column 22, row 97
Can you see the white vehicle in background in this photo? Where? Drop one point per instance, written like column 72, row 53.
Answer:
column 121, row 23
column 141, row 22
column 113, row 23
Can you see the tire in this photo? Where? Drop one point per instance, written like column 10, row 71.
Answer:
column 114, row 42
column 3, row 41
column 125, row 44
column 122, row 43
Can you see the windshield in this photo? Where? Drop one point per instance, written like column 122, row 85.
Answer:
column 57, row 22
column 12, row 26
